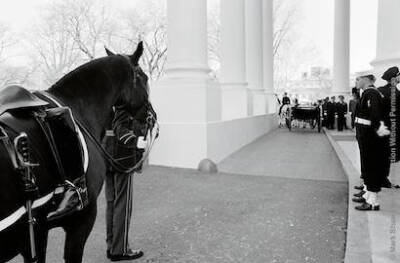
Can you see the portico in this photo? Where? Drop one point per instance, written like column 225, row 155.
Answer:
column 203, row 118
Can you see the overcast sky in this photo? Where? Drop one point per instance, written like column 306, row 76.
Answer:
column 316, row 25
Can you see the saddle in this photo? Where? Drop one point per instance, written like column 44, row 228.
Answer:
column 16, row 97
column 23, row 111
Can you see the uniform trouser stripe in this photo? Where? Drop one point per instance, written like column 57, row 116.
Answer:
column 128, row 211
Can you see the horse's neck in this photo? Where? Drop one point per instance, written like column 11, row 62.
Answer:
column 92, row 111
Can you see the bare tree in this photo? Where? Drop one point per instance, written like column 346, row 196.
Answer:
column 53, row 50
column 284, row 15
column 89, row 23
column 10, row 74
column 147, row 23
column 70, row 33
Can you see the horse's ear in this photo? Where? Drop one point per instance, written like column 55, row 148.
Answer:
column 109, row 53
column 137, row 54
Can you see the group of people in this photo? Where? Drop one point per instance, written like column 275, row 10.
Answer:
column 332, row 109
column 377, row 121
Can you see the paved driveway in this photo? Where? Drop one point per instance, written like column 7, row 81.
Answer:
column 294, row 212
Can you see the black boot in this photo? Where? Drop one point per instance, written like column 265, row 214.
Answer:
column 360, row 194
column 75, row 199
column 359, row 187
column 359, row 199
column 368, row 207
column 130, row 255
column 386, row 183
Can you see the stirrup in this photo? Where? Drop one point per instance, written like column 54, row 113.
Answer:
column 77, row 190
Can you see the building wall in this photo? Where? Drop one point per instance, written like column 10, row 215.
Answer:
column 177, row 148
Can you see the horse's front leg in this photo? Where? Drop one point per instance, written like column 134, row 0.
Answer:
column 77, row 235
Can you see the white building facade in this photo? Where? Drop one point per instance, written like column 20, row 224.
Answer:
column 202, row 118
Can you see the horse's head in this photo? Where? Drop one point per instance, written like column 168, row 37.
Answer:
column 134, row 93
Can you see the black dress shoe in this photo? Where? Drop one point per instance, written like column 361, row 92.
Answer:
column 131, row 255
column 368, row 207
column 359, row 199
column 387, row 184
column 359, row 187
column 360, row 194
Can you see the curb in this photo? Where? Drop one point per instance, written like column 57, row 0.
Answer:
column 358, row 244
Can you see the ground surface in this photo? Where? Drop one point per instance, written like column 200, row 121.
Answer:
column 294, row 211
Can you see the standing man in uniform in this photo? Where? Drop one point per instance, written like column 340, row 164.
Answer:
column 121, row 143
column 325, row 112
column 370, row 129
column 390, row 101
column 341, row 108
column 331, row 111
column 285, row 101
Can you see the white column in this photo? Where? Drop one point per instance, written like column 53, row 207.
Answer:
column 187, row 39
column 186, row 99
column 341, row 59
column 268, row 55
column 254, row 56
column 388, row 38
column 233, row 60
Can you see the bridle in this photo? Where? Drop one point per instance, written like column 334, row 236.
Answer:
column 151, row 135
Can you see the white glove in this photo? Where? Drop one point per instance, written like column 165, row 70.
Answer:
column 141, row 143
column 383, row 130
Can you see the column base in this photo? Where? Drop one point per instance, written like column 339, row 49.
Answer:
column 233, row 100
column 185, row 145
column 257, row 102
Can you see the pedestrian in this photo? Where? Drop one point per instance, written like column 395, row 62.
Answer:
column 325, row 112
column 390, row 97
column 285, row 101
column 331, row 111
column 121, row 142
column 370, row 129
column 353, row 104
column 341, row 109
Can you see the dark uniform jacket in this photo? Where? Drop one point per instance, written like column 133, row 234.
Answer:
column 285, row 100
column 122, row 136
column 331, row 108
column 341, row 108
column 370, row 108
column 392, row 115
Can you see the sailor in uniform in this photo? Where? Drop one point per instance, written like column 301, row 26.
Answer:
column 370, row 132
column 391, row 99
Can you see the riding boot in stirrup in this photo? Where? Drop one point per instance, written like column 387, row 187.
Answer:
column 75, row 199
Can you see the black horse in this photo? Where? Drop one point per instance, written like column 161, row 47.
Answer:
column 90, row 91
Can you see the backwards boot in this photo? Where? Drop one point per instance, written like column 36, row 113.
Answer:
column 75, row 198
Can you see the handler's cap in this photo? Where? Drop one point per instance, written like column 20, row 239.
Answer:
column 390, row 73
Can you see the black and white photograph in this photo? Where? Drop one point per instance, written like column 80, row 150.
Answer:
column 200, row 131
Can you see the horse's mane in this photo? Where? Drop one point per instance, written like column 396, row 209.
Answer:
column 96, row 65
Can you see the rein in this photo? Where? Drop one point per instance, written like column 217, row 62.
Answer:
column 115, row 164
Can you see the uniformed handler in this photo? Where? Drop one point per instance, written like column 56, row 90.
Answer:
column 370, row 129
column 121, row 142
